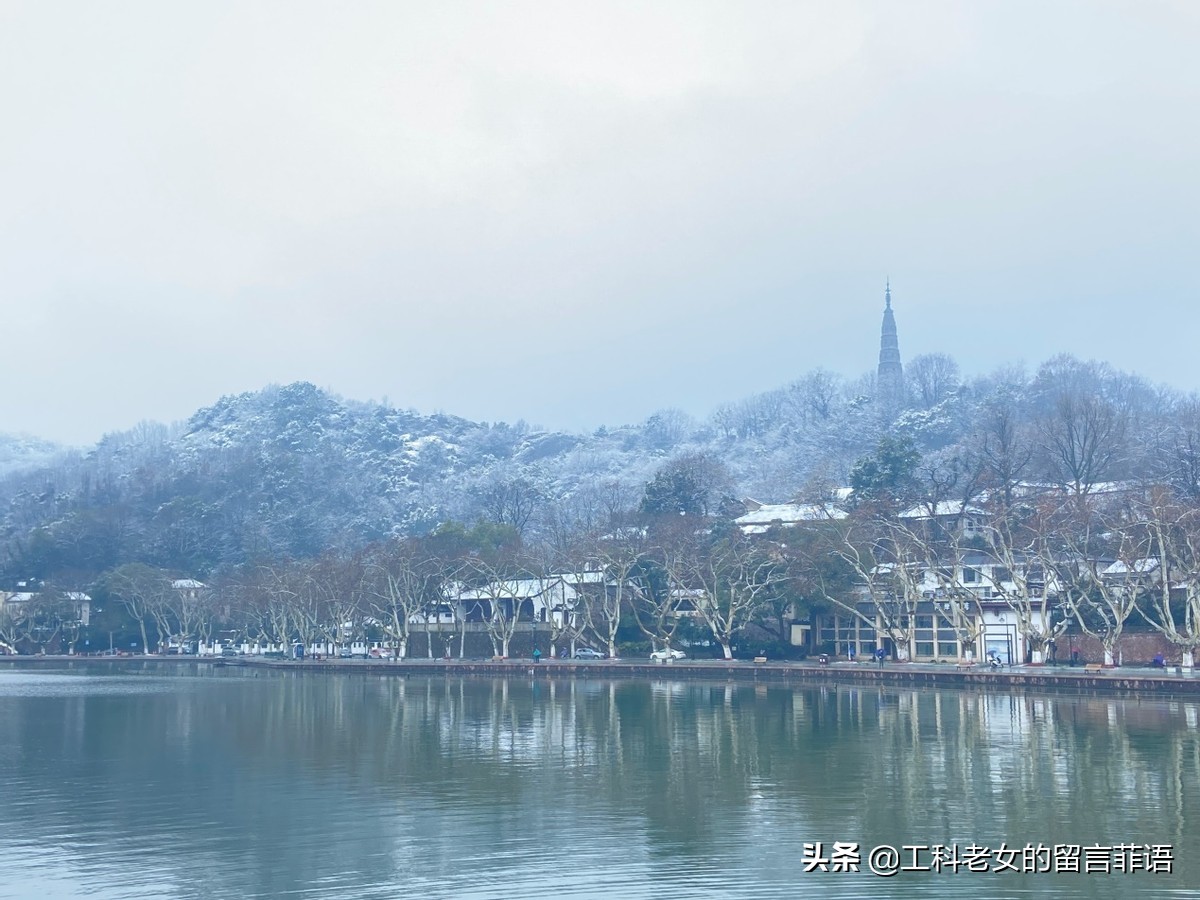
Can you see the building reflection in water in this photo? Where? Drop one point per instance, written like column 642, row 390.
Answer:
column 279, row 780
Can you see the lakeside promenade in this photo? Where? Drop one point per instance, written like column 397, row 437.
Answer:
column 1091, row 680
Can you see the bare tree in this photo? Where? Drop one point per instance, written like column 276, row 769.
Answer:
column 1173, row 607
column 293, row 602
column 1016, row 541
column 945, row 477
column 1103, row 570
column 622, row 559
column 1083, row 438
column 654, row 604
column 941, row 559
column 340, row 592
column 888, row 583
column 932, row 377
column 814, row 396
column 401, row 586
column 1004, row 449
column 510, row 500
column 1180, row 463
column 668, row 427
column 145, row 593
column 734, row 578
column 16, row 623
column 498, row 598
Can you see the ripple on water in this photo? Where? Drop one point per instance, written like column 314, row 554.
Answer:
column 143, row 786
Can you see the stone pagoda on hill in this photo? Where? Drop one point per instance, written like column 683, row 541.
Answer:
column 890, row 377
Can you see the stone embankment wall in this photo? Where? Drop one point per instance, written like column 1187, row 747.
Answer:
column 1039, row 678
column 1047, row 678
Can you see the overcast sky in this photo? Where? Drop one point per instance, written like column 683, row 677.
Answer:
column 580, row 213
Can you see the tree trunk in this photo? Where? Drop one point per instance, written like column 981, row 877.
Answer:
column 1188, row 660
column 726, row 650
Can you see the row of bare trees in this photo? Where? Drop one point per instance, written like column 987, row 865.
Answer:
column 39, row 620
column 1100, row 562
column 646, row 583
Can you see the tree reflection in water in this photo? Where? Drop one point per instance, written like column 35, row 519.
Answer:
column 286, row 781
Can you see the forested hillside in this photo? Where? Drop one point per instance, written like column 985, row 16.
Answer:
column 293, row 472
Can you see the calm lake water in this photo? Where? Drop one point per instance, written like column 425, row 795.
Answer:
column 147, row 781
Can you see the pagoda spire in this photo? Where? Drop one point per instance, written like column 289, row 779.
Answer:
column 890, row 375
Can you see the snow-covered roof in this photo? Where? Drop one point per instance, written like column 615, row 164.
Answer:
column 26, row 596
column 514, row 588
column 786, row 515
column 941, row 508
column 581, row 577
column 1137, row 567
column 187, row 584
column 523, row 588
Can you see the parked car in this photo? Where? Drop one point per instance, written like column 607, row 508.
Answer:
column 588, row 653
column 668, row 653
column 344, row 653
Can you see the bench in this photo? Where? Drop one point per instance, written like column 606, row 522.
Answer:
column 964, row 664
column 1093, row 667
column 759, row 660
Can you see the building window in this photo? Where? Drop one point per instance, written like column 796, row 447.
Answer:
column 970, row 576
column 947, row 648
column 924, row 648
column 924, row 621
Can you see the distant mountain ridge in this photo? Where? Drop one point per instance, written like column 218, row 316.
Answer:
column 292, row 471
